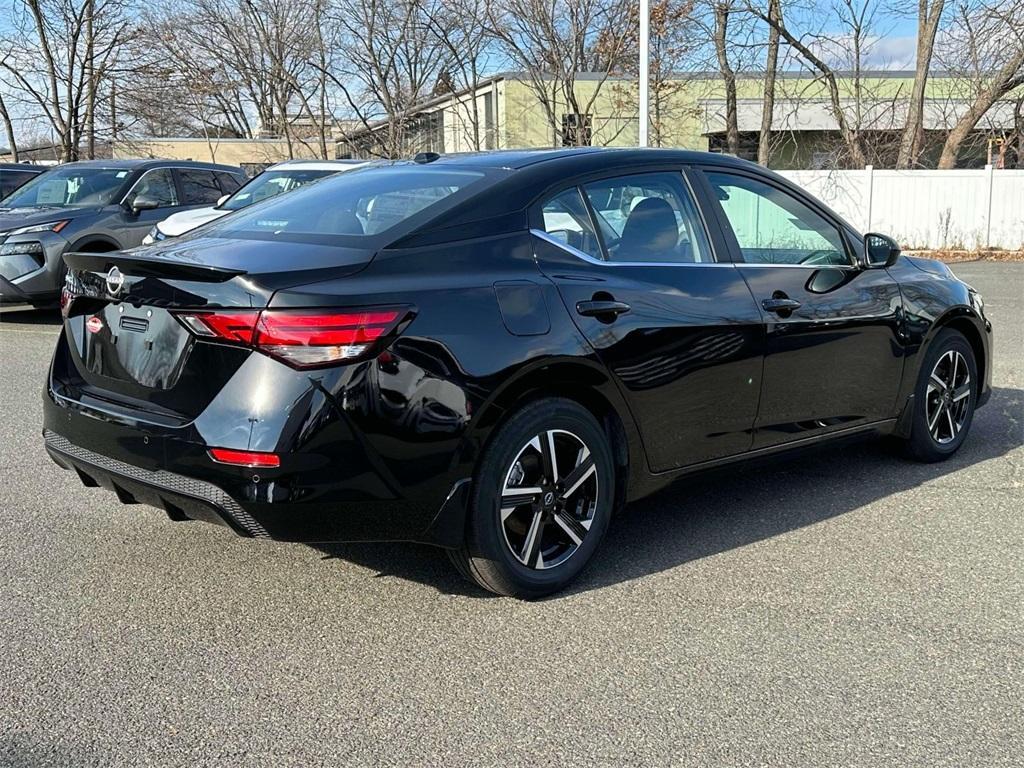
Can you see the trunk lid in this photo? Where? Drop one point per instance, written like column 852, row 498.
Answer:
column 123, row 347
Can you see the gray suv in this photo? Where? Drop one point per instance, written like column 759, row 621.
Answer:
column 94, row 206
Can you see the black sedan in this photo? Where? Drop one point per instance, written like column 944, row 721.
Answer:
column 493, row 353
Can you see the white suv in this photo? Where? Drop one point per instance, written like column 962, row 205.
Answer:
column 279, row 178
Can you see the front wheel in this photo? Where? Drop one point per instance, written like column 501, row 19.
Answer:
column 944, row 400
column 541, row 501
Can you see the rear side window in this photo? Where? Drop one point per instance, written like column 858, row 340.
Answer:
column 567, row 219
column 199, row 187
column 229, row 183
column 649, row 217
column 368, row 201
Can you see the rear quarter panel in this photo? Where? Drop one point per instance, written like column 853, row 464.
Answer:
column 424, row 410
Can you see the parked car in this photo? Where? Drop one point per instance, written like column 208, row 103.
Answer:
column 95, row 206
column 13, row 175
column 282, row 177
column 483, row 353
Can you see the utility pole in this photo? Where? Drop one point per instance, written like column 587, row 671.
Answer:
column 645, row 33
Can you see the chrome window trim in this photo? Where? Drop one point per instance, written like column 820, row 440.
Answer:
column 763, row 265
column 599, row 262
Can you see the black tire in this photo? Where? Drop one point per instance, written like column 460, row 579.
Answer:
column 927, row 443
column 487, row 556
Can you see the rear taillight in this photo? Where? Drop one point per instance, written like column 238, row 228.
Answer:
column 302, row 338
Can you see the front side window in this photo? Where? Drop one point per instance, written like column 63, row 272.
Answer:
column 155, row 185
column 567, row 219
column 773, row 227
column 649, row 217
column 199, row 187
column 69, row 187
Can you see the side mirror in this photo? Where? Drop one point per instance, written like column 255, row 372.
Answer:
column 143, row 203
column 880, row 251
column 223, row 199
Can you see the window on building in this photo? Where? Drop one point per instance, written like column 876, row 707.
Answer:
column 577, row 130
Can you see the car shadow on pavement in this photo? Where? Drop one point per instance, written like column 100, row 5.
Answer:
column 707, row 514
column 29, row 316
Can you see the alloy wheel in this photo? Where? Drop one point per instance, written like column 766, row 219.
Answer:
column 948, row 397
column 549, row 499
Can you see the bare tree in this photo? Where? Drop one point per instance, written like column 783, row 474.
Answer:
column 459, row 26
column 770, row 70
column 553, row 42
column 819, row 47
column 60, row 56
column 12, row 142
column 390, row 57
column 985, row 51
column 929, row 14
column 722, row 11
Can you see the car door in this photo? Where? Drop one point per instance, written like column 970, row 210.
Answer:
column 833, row 356
column 157, row 184
column 637, row 270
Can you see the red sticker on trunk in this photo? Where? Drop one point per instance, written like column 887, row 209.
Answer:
column 94, row 324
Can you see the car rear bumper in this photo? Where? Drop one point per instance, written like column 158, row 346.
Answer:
column 182, row 498
column 170, row 469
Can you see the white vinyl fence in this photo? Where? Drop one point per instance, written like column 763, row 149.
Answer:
column 957, row 209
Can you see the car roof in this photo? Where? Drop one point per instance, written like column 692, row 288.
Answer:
column 150, row 163
column 516, row 159
column 315, row 165
column 23, row 167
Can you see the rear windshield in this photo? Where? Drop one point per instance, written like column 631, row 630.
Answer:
column 363, row 202
column 270, row 184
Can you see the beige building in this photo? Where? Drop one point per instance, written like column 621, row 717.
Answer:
column 251, row 154
column 687, row 111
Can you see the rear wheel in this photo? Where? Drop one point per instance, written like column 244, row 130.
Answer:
column 944, row 400
column 541, row 501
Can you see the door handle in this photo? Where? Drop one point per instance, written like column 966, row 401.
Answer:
column 779, row 305
column 598, row 308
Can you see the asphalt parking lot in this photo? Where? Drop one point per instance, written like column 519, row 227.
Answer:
column 850, row 608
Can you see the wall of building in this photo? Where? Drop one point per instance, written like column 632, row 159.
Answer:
column 687, row 111
column 227, row 151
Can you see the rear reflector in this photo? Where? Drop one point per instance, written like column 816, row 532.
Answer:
column 245, row 458
column 302, row 338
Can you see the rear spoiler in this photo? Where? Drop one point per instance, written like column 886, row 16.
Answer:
column 140, row 266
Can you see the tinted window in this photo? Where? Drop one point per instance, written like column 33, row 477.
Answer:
column 773, row 227
column 155, row 185
column 229, row 182
column 199, row 187
column 11, row 180
column 272, row 183
column 368, row 201
column 566, row 219
column 649, row 217
column 70, row 186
